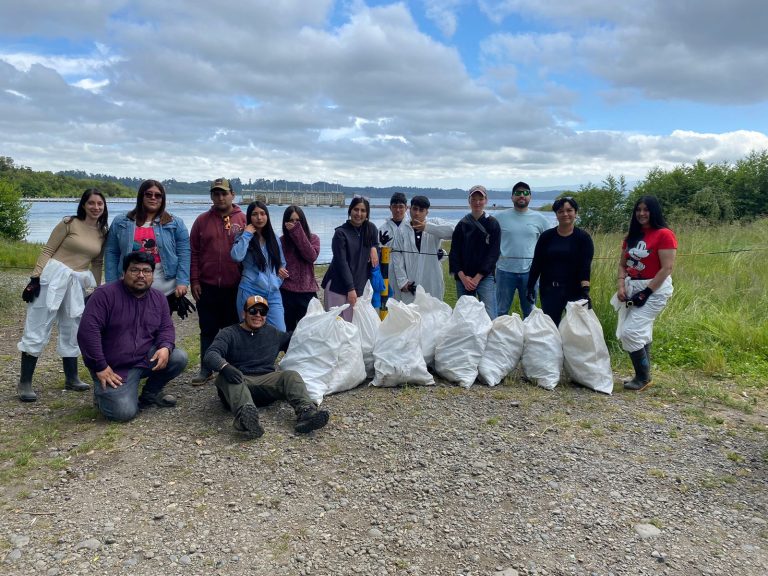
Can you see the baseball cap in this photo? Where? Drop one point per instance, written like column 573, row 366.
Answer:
column 222, row 184
column 478, row 189
column 521, row 186
column 255, row 301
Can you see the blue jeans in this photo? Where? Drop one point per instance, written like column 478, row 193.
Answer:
column 485, row 292
column 122, row 403
column 506, row 285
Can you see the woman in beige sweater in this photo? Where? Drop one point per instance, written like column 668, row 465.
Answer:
column 69, row 267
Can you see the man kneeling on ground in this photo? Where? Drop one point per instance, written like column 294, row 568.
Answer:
column 244, row 356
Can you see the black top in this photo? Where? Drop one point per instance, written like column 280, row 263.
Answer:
column 251, row 352
column 566, row 260
column 350, row 266
column 473, row 250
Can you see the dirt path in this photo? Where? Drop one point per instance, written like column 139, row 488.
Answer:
column 402, row 481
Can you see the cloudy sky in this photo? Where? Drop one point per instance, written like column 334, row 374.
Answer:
column 426, row 93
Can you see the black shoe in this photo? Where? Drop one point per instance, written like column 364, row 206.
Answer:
column 311, row 418
column 202, row 377
column 247, row 421
column 160, row 400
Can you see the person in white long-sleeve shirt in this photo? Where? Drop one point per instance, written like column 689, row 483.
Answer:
column 415, row 259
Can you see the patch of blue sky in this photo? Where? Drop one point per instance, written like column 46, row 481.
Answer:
column 247, row 102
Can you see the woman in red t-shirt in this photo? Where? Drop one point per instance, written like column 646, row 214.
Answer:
column 644, row 284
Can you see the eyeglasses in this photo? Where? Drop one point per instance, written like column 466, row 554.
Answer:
column 141, row 271
column 257, row 311
column 153, row 194
column 521, row 193
column 361, row 196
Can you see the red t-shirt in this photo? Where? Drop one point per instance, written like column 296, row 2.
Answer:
column 643, row 260
column 144, row 241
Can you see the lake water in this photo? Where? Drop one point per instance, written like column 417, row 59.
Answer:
column 43, row 216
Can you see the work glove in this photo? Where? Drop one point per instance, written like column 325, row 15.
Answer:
column 640, row 298
column 384, row 237
column 585, row 296
column 183, row 306
column 32, row 290
column 530, row 295
column 232, row 374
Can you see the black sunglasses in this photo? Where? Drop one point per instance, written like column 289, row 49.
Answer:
column 257, row 311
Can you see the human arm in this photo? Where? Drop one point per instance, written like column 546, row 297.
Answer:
column 285, row 340
column 282, row 272
column 667, row 262
column 397, row 270
column 97, row 264
column 307, row 248
column 586, row 255
column 536, row 264
column 194, row 260
column 621, row 290
column 373, row 234
column 58, row 234
column 240, row 246
column 183, row 253
column 437, row 229
column 112, row 251
column 341, row 254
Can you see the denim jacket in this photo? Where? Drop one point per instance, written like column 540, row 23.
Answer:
column 254, row 279
column 172, row 242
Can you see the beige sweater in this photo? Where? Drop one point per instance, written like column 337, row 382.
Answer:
column 74, row 243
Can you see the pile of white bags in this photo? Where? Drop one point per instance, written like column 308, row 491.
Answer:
column 325, row 349
column 542, row 350
column 435, row 314
column 461, row 343
column 503, row 349
column 397, row 353
column 586, row 356
column 367, row 321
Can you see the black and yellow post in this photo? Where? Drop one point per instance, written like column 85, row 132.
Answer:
column 384, row 266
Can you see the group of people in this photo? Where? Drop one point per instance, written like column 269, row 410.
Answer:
column 252, row 288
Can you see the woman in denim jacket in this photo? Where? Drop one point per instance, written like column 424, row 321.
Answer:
column 149, row 228
column 263, row 263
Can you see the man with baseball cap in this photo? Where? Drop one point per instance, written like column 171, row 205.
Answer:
column 244, row 356
column 520, row 229
column 214, row 275
column 474, row 251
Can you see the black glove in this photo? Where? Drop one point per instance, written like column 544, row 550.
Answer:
column 412, row 287
column 585, row 296
column 440, row 253
column 530, row 295
column 232, row 374
column 640, row 298
column 32, row 290
column 183, row 306
column 384, row 237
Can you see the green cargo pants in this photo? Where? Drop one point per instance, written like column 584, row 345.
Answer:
column 264, row 389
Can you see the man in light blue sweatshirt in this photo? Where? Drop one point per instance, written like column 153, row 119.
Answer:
column 520, row 230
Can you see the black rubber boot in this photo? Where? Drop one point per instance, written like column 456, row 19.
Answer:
column 648, row 352
column 642, row 366
column 24, row 389
column 71, row 377
column 204, row 375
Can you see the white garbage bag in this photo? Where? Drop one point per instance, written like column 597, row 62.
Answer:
column 542, row 350
column 503, row 349
column 585, row 353
column 325, row 349
column 367, row 321
column 397, row 354
column 435, row 314
column 461, row 343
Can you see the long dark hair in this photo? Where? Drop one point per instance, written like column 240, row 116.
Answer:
column 302, row 219
column 369, row 237
column 655, row 219
column 102, row 222
column 269, row 238
column 138, row 213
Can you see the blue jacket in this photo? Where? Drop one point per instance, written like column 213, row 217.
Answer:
column 256, row 281
column 172, row 242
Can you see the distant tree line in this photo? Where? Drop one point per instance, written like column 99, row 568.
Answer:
column 695, row 194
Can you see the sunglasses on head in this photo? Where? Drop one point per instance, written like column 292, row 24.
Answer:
column 521, row 193
column 257, row 311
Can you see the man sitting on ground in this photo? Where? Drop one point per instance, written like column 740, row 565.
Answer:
column 244, row 356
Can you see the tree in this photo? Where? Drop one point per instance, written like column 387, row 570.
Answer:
column 603, row 208
column 13, row 213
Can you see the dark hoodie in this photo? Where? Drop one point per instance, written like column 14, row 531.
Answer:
column 211, row 243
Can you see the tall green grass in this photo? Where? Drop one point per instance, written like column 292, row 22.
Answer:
column 16, row 255
column 717, row 320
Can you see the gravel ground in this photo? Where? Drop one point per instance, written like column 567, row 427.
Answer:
column 437, row 481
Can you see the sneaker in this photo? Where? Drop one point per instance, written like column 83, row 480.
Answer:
column 202, row 377
column 161, row 401
column 247, row 421
column 311, row 418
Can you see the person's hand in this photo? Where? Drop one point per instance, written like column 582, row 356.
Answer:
column 530, row 295
column 418, row 225
column 621, row 293
column 374, row 257
column 109, row 378
column 585, row 296
column 250, row 228
column 160, row 359
column 283, row 273
column 289, row 225
column 31, row 291
column 352, row 297
column 197, row 291
column 640, row 298
column 181, row 289
column 232, row 374
column 469, row 283
column 384, row 237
